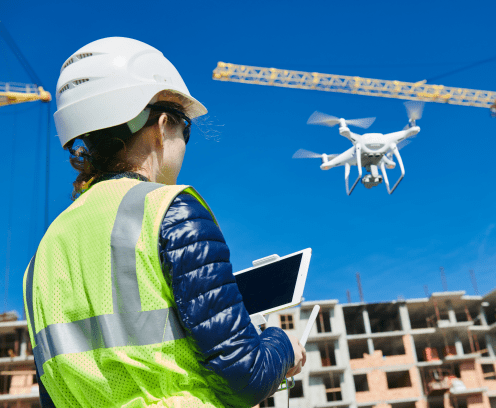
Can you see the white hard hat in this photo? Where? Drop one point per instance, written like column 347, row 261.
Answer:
column 109, row 82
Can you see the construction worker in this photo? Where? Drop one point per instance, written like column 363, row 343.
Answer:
column 130, row 298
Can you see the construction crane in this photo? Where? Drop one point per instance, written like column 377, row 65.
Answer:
column 12, row 93
column 418, row 91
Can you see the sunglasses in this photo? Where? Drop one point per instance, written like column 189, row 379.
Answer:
column 178, row 113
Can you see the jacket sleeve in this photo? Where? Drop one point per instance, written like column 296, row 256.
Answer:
column 193, row 251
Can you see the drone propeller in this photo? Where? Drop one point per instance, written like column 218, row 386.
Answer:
column 307, row 154
column 403, row 143
column 414, row 111
column 319, row 118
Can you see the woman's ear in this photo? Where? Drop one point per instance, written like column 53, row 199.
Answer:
column 162, row 124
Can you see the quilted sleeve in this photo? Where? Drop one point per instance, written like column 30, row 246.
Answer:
column 195, row 259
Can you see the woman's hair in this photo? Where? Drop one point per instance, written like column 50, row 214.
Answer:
column 102, row 156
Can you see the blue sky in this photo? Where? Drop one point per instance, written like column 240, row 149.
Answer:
column 239, row 158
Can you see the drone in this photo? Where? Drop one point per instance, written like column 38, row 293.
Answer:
column 373, row 151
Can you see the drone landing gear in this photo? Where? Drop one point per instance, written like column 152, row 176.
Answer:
column 383, row 170
column 358, row 153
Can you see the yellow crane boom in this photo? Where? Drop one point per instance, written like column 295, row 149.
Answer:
column 12, row 93
column 355, row 85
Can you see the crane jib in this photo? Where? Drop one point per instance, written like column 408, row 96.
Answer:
column 355, row 85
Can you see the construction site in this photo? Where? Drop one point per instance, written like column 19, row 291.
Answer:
column 435, row 352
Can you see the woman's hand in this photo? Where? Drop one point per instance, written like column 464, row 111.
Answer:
column 300, row 356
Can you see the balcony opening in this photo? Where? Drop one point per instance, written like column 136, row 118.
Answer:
column 353, row 319
column 268, row 402
column 481, row 345
column 7, row 345
column 488, row 372
column 361, row 383
column 398, row 379
column 390, row 346
column 492, row 401
column 384, row 317
column 425, row 315
column 297, row 390
column 357, row 348
column 429, row 348
column 324, row 322
column 418, row 316
column 287, row 322
column 327, row 354
column 333, row 387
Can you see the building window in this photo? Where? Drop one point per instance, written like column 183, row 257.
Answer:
column 287, row 322
column 398, row 379
column 269, row 402
column 488, row 371
column 297, row 390
column 263, row 327
column 5, row 381
column 327, row 356
column 333, row 387
column 324, row 322
column 361, row 383
column 7, row 345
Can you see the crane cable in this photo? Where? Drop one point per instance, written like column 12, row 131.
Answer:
column 455, row 71
column 34, row 78
column 9, row 216
column 15, row 49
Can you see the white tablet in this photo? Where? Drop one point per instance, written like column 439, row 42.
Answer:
column 276, row 285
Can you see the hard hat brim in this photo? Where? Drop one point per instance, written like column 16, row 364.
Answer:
column 71, row 124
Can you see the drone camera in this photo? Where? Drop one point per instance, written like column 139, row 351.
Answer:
column 370, row 181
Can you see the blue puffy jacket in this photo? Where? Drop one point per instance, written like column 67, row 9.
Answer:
column 195, row 260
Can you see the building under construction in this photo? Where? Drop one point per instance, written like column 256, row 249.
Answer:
column 18, row 387
column 435, row 352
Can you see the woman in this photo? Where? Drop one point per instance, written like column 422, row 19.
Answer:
column 130, row 298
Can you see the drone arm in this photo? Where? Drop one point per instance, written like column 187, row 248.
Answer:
column 396, row 137
column 345, row 131
column 412, row 131
column 358, row 152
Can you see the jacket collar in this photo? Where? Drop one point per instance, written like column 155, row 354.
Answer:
column 119, row 175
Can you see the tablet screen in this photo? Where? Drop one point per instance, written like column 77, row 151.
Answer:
column 269, row 286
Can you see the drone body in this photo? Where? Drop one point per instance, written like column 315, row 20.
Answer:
column 373, row 151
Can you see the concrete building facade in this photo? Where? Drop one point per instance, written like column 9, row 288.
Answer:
column 436, row 352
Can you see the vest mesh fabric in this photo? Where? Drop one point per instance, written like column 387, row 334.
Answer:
column 72, row 281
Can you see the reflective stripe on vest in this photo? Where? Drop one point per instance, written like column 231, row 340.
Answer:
column 128, row 325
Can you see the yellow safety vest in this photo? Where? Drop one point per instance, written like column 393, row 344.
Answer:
column 102, row 318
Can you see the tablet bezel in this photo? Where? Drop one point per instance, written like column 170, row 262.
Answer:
column 300, row 281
